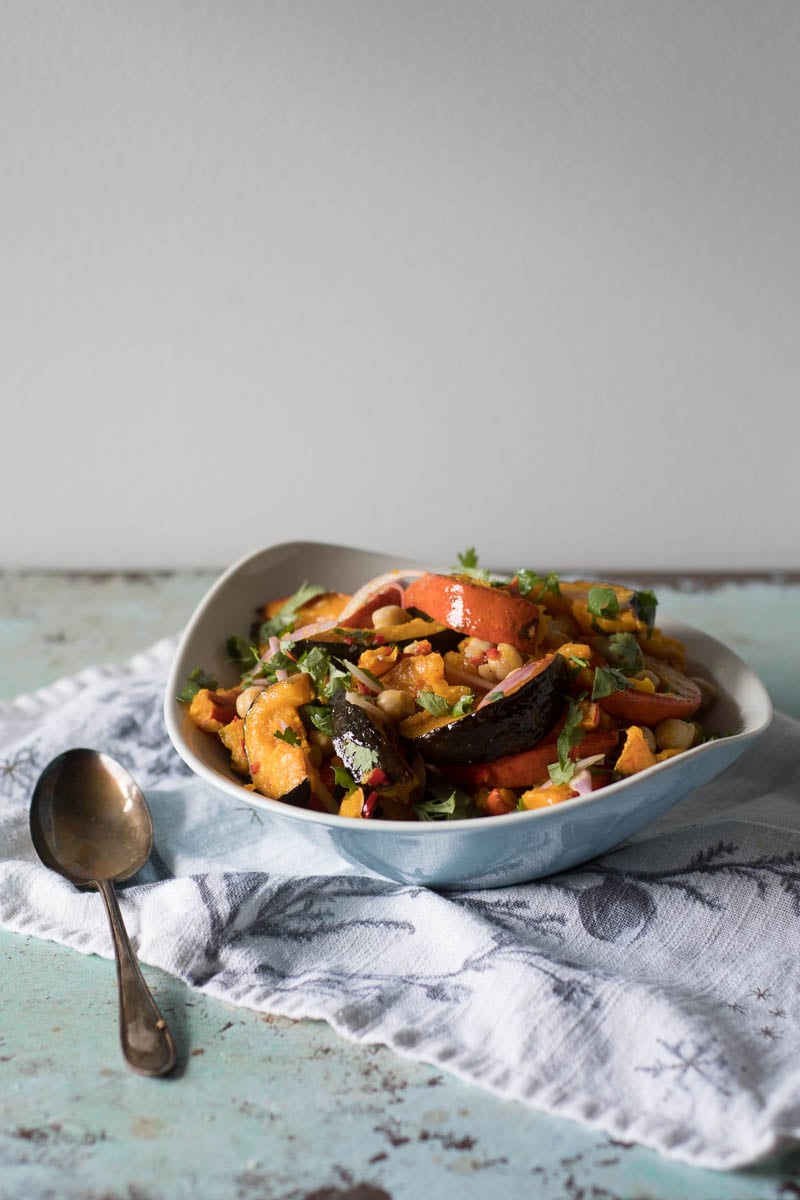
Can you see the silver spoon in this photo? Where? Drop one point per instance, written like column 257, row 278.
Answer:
column 90, row 822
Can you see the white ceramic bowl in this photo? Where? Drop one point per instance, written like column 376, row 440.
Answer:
column 481, row 852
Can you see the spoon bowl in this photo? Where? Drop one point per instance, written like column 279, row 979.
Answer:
column 90, row 822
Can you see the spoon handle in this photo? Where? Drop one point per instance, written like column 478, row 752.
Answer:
column 146, row 1042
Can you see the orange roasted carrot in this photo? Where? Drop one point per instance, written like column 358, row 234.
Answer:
column 477, row 609
column 529, row 767
column 650, row 708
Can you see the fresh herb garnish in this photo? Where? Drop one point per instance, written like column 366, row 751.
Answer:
column 644, row 605
column 239, row 650
column 442, row 801
column 286, row 615
column 625, row 652
column 468, row 565
column 602, row 601
column 287, row 735
column 354, row 635
column 195, row 683
column 360, row 759
column 318, row 715
column 344, row 779
column 608, row 680
column 529, row 581
column 439, row 706
column 571, row 734
column 577, row 661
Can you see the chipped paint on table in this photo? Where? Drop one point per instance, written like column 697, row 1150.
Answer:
column 266, row 1107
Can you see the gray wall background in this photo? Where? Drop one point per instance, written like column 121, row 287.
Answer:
column 405, row 275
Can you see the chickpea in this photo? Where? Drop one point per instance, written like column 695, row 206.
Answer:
column 496, row 669
column 674, row 735
column 246, row 698
column 651, row 675
column 649, row 737
column 474, row 649
column 321, row 740
column 395, row 703
column 390, row 614
column 708, row 690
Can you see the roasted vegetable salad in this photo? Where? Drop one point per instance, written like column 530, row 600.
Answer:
column 436, row 697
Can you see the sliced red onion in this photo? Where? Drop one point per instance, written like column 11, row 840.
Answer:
column 581, row 783
column 323, row 795
column 371, row 709
column 281, row 676
column 307, row 631
column 514, row 679
column 362, row 677
column 469, row 678
column 397, row 578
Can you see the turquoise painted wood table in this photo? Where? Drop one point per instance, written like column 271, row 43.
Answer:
column 266, row 1107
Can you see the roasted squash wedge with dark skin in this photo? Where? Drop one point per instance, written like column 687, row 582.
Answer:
column 514, row 722
column 367, row 753
column 280, row 770
column 348, row 642
column 475, row 608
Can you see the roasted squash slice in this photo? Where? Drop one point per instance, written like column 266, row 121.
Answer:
column 279, row 769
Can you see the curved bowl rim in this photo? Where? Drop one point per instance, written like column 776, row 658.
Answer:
column 174, row 717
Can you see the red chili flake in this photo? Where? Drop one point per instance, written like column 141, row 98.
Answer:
column 380, row 640
column 492, row 654
column 349, row 641
column 362, row 688
column 369, row 805
column 375, row 778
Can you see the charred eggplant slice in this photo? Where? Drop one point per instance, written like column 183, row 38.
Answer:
column 367, row 753
column 515, row 722
column 279, row 765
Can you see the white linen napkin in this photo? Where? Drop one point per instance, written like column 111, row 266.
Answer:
column 653, row 993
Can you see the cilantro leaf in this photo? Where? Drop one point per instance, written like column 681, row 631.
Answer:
column 529, row 581
column 318, row 715
column 437, row 706
column 463, row 704
column 602, row 601
column 443, row 801
column 287, row 735
column 197, row 680
column 608, row 680
column 354, row 635
column 239, row 650
column 644, row 605
column 625, row 652
column 316, row 663
column 344, row 779
column 360, row 759
column 571, row 734
column 468, row 565
column 286, row 615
